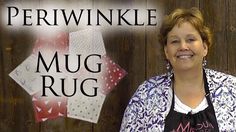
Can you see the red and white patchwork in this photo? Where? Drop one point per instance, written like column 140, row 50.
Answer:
column 48, row 108
column 112, row 74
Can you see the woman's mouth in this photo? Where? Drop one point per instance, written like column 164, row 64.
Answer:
column 184, row 56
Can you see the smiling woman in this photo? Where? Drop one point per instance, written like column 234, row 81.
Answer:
column 189, row 97
column 185, row 48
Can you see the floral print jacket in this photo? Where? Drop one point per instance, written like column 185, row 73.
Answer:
column 151, row 103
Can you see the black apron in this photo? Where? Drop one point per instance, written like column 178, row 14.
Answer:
column 203, row 121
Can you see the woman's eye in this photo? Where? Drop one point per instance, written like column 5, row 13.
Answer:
column 174, row 41
column 191, row 40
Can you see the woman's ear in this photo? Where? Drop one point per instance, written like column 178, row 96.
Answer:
column 166, row 52
column 205, row 48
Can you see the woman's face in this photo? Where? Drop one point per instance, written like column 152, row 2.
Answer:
column 185, row 49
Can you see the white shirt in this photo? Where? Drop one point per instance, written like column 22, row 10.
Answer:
column 182, row 108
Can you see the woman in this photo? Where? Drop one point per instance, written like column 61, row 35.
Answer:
column 189, row 97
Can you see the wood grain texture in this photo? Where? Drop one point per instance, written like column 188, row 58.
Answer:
column 231, row 36
column 17, row 107
column 216, row 19
column 154, row 52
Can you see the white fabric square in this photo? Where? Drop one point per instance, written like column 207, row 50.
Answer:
column 84, row 107
column 25, row 75
column 85, row 42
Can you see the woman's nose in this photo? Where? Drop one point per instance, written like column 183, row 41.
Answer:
column 183, row 45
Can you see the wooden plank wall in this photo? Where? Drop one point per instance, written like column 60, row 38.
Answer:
column 137, row 51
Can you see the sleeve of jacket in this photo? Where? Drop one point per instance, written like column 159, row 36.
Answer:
column 134, row 116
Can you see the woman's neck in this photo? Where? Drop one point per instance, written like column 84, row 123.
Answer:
column 189, row 86
column 189, row 79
